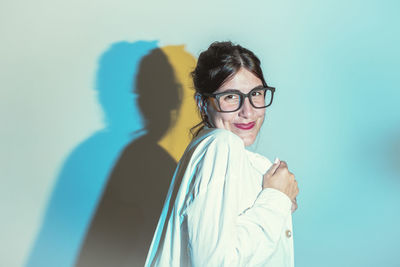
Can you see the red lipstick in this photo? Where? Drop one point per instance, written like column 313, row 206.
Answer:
column 245, row 126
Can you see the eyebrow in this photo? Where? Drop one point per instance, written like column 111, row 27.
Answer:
column 238, row 91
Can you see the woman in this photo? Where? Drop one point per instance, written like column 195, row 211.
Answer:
column 227, row 206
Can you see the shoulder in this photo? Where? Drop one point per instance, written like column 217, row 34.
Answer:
column 220, row 139
column 213, row 157
column 259, row 162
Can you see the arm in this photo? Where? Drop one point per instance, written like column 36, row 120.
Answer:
column 218, row 234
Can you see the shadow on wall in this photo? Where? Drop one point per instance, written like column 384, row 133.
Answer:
column 115, row 198
column 125, row 220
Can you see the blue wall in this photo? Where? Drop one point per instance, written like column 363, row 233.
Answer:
column 335, row 117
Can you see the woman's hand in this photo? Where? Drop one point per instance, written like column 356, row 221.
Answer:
column 294, row 205
column 279, row 177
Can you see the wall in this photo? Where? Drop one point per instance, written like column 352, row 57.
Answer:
column 74, row 106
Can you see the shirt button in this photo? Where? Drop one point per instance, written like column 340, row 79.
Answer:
column 288, row 233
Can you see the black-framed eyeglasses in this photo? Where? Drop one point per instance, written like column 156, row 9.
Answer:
column 232, row 100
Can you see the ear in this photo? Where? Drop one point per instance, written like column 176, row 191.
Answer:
column 201, row 103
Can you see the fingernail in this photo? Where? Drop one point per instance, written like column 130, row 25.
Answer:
column 276, row 161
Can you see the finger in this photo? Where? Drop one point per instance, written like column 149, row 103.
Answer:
column 274, row 167
column 296, row 187
column 283, row 164
column 294, row 205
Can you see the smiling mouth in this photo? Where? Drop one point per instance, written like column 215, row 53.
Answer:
column 245, row 126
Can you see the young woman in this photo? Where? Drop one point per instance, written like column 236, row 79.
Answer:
column 227, row 206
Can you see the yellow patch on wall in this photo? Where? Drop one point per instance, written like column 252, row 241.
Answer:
column 178, row 135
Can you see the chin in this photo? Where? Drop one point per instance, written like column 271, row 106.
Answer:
column 249, row 142
column 248, row 139
column 248, row 135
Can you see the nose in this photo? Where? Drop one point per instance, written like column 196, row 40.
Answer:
column 246, row 111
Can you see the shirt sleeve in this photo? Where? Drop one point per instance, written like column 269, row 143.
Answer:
column 218, row 234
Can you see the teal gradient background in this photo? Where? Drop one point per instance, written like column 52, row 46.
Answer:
column 336, row 120
column 335, row 117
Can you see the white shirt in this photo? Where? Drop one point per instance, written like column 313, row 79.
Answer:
column 216, row 212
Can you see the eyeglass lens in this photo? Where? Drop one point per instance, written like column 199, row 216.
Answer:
column 259, row 98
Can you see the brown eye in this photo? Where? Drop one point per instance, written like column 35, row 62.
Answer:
column 231, row 97
column 257, row 93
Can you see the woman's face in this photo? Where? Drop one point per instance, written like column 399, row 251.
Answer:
column 245, row 122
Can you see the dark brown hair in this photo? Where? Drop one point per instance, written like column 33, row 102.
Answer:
column 216, row 65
